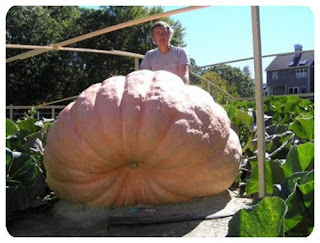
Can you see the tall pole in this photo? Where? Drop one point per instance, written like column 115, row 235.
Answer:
column 255, row 16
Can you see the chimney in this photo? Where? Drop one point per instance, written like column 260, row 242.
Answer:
column 297, row 49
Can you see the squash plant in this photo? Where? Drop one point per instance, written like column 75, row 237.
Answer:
column 25, row 175
column 288, row 210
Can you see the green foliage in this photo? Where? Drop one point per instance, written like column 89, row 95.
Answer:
column 25, row 174
column 300, row 158
column 241, row 116
column 236, row 78
column 265, row 219
column 219, row 94
column 303, row 127
column 289, row 125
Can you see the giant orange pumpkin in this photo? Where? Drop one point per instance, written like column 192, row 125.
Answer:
column 144, row 138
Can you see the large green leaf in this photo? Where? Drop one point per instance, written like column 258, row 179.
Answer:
column 28, row 125
column 244, row 117
column 289, row 184
column 303, row 127
column 11, row 127
column 265, row 219
column 291, row 103
column 299, row 220
column 25, row 182
column 274, row 175
column 21, row 167
column 305, row 104
column 299, row 158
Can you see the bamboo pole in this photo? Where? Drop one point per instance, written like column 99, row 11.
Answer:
column 259, row 99
column 250, row 58
column 103, row 31
column 60, row 48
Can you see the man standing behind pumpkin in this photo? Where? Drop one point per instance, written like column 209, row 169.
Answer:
column 166, row 56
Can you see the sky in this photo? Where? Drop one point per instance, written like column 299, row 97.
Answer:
column 224, row 33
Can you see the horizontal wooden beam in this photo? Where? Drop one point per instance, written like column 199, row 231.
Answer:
column 27, row 107
column 251, row 58
column 103, row 31
column 60, row 48
column 301, row 95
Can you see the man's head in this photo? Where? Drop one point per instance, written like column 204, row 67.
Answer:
column 161, row 32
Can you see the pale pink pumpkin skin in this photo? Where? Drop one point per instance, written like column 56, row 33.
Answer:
column 144, row 138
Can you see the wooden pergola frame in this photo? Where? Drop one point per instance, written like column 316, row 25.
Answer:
column 56, row 46
column 255, row 17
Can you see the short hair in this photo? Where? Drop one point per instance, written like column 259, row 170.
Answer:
column 163, row 24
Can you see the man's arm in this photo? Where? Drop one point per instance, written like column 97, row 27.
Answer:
column 183, row 72
column 145, row 62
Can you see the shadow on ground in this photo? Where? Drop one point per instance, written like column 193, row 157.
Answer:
column 69, row 219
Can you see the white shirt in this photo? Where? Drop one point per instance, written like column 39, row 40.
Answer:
column 154, row 60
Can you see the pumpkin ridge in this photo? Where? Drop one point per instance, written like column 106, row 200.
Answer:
column 53, row 155
column 76, row 133
column 102, row 197
column 205, row 158
column 119, row 197
column 173, row 192
column 172, row 195
column 139, row 104
column 83, row 138
column 99, row 115
column 161, row 139
column 147, row 192
column 125, row 90
column 86, row 172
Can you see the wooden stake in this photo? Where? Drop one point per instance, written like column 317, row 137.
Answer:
column 259, row 99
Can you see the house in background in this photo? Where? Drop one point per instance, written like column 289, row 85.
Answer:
column 291, row 74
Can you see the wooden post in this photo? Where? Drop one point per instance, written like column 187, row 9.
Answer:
column 11, row 112
column 53, row 111
column 259, row 99
column 136, row 63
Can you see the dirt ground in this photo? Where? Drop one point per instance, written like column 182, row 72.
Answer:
column 202, row 217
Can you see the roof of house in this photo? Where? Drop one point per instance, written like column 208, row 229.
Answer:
column 287, row 61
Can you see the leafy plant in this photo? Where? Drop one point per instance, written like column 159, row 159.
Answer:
column 289, row 126
column 264, row 219
column 25, row 175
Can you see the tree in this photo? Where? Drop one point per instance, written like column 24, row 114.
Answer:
column 234, row 76
column 220, row 86
column 46, row 76
column 55, row 75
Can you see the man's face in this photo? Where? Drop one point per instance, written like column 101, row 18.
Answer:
column 160, row 36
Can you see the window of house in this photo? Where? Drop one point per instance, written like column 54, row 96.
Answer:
column 303, row 89
column 301, row 73
column 274, row 75
column 293, row 90
column 303, row 62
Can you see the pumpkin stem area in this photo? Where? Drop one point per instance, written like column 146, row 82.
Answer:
column 134, row 164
